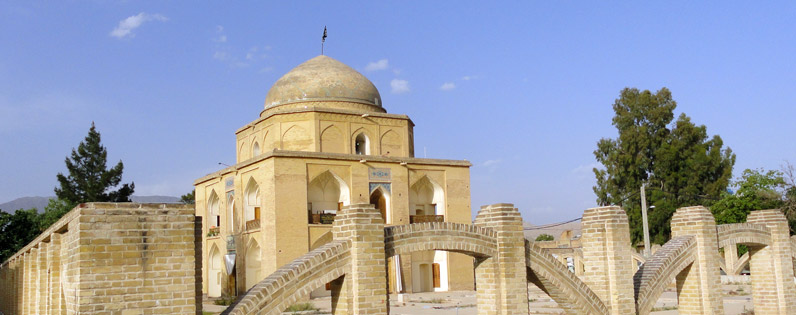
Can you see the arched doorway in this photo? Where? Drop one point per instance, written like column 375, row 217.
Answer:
column 253, row 263
column 215, row 262
column 380, row 200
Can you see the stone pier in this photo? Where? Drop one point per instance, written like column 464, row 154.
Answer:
column 774, row 291
column 699, row 286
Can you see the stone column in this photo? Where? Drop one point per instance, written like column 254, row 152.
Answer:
column 731, row 258
column 30, row 280
column 54, row 260
column 774, row 291
column 699, row 287
column 41, row 277
column 501, row 281
column 609, row 267
column 364, row 288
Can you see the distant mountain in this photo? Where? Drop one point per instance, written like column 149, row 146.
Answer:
column 40, row 202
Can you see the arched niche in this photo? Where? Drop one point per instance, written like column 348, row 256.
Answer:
column 256, row 149
column 252, row 201
column 361, row 143
column 327, row 193
column 426, row 197
column 215, row 263
column 296, row 138
column 253, row 264
column 391, row 144
column 213, row 214
column 332, row 140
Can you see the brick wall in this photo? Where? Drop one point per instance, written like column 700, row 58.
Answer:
column 109, row 258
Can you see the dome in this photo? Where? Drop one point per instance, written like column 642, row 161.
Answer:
column 323, row 79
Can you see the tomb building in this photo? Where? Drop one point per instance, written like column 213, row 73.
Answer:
column 323, row 141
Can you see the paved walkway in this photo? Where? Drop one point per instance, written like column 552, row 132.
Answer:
column 737, row 300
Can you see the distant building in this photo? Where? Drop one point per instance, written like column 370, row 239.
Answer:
column 324, row 141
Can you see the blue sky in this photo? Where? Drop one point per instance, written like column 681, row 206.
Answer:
column 521, row 89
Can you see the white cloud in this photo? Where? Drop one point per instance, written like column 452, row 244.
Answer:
column 399, row 86
column 469, row 77
column 220, row 55
column 126, row 26
column 492, row 163
column 378, row 65
column 222, row 38
column 447, row 86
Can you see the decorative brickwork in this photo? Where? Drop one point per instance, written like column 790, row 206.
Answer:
column 698, row 286
column 658, row 272
column 571, row 294
column 294, row 281
column 609, row 266
column 107, row 258
column 454, row 237
column 774, row 291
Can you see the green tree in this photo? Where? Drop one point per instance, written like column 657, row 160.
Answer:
column 679, row 163
column 189, row 198
column 755, row 190
column 55, row 209
column 17, row 230
column 545, row 237
column 89, row 179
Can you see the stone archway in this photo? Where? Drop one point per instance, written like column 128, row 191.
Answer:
column 215, row 272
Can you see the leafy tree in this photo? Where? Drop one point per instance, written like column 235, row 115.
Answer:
column 545, row 237
column 789, row 207
column 55, row 209
column 756, row 190
column 17, row 230
column 678, row 162
column 189, row 198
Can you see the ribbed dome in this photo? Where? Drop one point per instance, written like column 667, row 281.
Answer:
column 324, row 79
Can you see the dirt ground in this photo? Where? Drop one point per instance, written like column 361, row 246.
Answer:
column 737, row 300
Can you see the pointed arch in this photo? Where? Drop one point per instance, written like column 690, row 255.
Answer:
column 380, row 198
column 296, row 138
column 391, row 144
column 252, row 200
column 253, row 263
column 256, row 149
column 213, row 210
column 332, row 140
column 426, row 197
column 243, row 153
column 361, row 142
column 215, row 265
column 231, row 218
column 327, row 193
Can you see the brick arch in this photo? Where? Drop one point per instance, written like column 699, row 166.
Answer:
column 295, row 280
column 743, row 233
column 743, row 261
column 559, row 283
column 652, row 278
column 453, row 237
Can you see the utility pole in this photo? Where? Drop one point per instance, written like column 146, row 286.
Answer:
column 644, row 220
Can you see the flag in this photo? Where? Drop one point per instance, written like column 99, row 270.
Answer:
column 323, row 39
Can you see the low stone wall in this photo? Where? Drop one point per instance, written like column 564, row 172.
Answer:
column 109, row 258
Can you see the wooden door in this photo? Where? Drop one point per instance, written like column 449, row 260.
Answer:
column 435, row 274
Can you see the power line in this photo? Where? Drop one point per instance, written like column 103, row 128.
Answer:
column 547, row 226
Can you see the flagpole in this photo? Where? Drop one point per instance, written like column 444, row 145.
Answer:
column 323, row 38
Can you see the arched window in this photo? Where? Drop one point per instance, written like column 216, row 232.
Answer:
column 231, row 212
column 255, row 149
column 212, row 207
column 252, row 201
column 362, row 144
